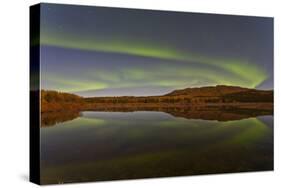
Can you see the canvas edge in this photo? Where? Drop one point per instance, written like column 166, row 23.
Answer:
column 34, row 96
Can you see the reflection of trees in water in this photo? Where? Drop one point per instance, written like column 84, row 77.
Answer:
column 219, row 113
column 52, row 118
column 204, row 112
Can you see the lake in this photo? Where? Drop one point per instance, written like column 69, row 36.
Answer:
column 96, row 145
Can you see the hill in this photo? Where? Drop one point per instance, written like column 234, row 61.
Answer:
column 222, row 93
column 218, row 90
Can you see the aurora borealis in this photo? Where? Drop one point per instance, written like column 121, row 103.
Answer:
column 95, row 51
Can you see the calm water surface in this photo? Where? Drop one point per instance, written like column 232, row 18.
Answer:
column 123, row 145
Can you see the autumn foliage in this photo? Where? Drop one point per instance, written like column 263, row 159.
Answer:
column 59, row 101
column 53, row 101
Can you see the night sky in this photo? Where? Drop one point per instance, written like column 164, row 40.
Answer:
column 95, row 51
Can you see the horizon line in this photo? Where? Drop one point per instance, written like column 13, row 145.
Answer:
column 196, row 87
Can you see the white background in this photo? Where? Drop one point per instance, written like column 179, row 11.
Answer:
column 14, row 91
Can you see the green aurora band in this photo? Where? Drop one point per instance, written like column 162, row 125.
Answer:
column 232, row 71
